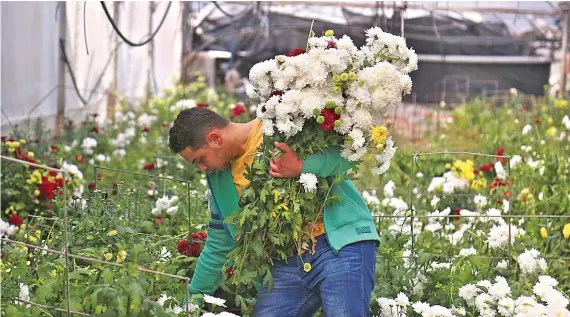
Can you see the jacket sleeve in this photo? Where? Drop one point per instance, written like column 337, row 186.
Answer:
column 326, row 163
column 208, row 274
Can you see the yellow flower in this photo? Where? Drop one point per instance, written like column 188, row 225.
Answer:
column 560, row 103
column 307, row 267
column 108, row 256
column 464, row 169
column 543, row 233
column 566, row 231
column 379, row 134
column 121, row 256
column 549, row 120
column 447, row 166
column 112, row 233
column 31, row 154
column 479, row 183
column 23, row 141
column 36, row 192
column 53, row 273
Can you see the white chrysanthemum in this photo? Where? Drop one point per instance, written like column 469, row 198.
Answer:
column 309, row 181
column 165, row 204
column 467, row 252
column 480, row 200
column 469, row 292
column 501, row 173
column 526, row 129
column 421, row 308
column 500, row 289
column 434, row 201
column 502, row 265
column 357, row 137
column 506, row 306
column 88, row 145
column 362, row 119
column 406, row 84
column 214, row 300
column 185, row 104
column 311, row 99
column 524, row 305
column 370, row 198
column 548, row 280
column 530, row 262
column 389, row 189
column 345, row 43
column 566, row 122
column 499, row 235
column 433, row 227
column 482, row 302
column 384, row 84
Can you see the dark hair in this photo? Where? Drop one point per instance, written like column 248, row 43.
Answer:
column 191, row 126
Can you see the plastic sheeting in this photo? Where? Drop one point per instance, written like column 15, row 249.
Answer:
column 30, row 55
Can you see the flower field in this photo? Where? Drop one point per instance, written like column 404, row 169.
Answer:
column 477, row 224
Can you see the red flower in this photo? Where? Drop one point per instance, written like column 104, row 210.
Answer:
column 184, row 247
column 15, row 220
column 525, row 108
column 330, row 117
column 276, row 93
column 47, row 188
column 500, row 151
column 332, row 44
column 3, row 139
column 79, row 158
column 507, row 194
column 149, row 166
column 199, row 236
column 295, row 52
column 19, row 154
column 537, row 121
column 95, row 130
column 202, row 105
column 37, row 140
column 91, row 186
column 486, row 167
column 237, row 109
column 158, row 221
column 54, row 148
column 229, row 272
column 457, row 213
column 99, row 176
column 143, row 130
column 94, row 115
column 165, row 124
column 52, row 173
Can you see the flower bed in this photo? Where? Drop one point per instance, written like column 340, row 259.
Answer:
column 462, row 234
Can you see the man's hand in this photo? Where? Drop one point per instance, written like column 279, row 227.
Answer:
column 286, row 166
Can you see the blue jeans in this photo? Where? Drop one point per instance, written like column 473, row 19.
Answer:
column 342, row 284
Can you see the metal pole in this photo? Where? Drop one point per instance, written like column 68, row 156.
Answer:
column 564, row 51
column 111, row 100
column 61, row 79
column 150, row 51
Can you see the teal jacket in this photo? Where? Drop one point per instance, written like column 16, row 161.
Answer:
column 346, row 221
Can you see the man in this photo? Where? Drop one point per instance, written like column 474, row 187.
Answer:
column 340, row 277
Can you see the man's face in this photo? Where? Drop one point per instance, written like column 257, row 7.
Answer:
column 210, row 158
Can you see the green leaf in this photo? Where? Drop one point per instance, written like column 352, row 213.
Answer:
column 13, row 311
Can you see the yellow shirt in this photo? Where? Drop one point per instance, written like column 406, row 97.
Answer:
column 252, row 144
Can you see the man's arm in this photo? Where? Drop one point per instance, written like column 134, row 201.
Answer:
column 325, row 163
column 208, row 274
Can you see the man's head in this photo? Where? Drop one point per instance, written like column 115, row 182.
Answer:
column 198, row 136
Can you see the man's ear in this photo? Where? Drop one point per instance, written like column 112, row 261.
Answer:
column 214, row 138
